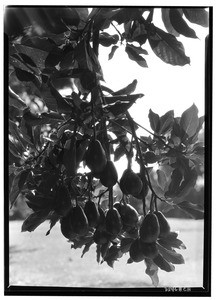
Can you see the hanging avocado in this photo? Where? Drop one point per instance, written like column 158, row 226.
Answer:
column 95, row 157
column 113, row 221
column 92, row 213
column 164, row 225
column 149, row 229
column 130, row 183
column 109, row 175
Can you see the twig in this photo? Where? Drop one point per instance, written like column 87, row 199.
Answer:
column 142, row 166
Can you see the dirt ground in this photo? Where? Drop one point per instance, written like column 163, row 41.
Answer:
column 39, row 260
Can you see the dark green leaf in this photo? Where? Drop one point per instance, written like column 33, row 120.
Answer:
column 133, row 55
column 24, row 75
column 27, row 59
column 125, row 244
column 119, row 152
column 166, row 122
column 167, row 47
column 17, row 185
column 154, row 120
column 163, row 264
column 152, row 271
column 36, row 49
column 193, row 210
column 106, row 40
column 174, row 186
column 137, row 33
column 138, row 50
column 113, row 50
column 171, row 255
column 180, row 25
column 69, row 157
column 53, row 218
column 53, row 58
column 167, row 23
column 197, row 15
column 189, row 121
column 98, row 251
column 87, row 247
column 172, row 243
column 129, row 89
column 126, row 14
column 34, row 220
column 120, row 98
column 112, row 255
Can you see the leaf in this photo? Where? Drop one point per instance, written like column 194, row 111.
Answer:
column 124, row 15
column 152, row 271
column 197, row 15
column 174, row 186
column 15, row 149
column 171, row 255
column 180, row 25
column 113, row 50
column 27, row 60
column 167, row 23
column 16, row 133
column 161, row 178
column 138, row 50
column 24, row 75
column 34, row 220
column 69, row 156
column 54, row 100
column 125, row 244
column 129, row 89
column 189, row 121
column 87, row 247
column 17, row 185
column 15, row 100
column 166, row 122
column 167, row 47
column 163, row 264
column 119, row 152
column 98, row 251
column 54, row 218
column 193, row 210
column 112, row 255
column 53, row 58
column 123, row 99
column 132, row 54
column 106, row 40
column 138, row 32
column 154, row 120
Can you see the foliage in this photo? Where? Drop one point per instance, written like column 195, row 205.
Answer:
column 49, row 148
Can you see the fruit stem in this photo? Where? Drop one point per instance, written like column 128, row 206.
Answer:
column 144, row 207
column 155, row 202
column 142, row 166
column 93, row 116
column 152, row 203
column 111, row 197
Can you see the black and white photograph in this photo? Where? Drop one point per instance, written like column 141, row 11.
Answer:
column 108, row 150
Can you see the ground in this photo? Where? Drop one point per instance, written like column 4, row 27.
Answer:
column 39, row 260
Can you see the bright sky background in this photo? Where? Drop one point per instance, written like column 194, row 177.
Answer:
column 165, row 86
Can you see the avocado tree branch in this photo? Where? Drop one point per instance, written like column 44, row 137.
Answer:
column 142, row 166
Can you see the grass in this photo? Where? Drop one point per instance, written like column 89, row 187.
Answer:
column 39, row 260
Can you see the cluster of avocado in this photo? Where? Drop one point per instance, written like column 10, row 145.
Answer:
column 130, row 182
column 153, row 227
column 120, row 217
